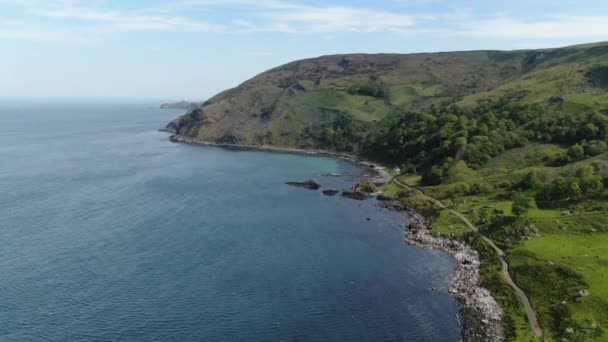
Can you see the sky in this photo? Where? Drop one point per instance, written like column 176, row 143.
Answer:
column 192, row 49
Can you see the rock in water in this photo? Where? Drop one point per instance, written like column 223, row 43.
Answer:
column 309, row 184
column 330, row 192
column 332, row 174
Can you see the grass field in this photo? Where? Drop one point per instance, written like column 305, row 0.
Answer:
column 561, row 264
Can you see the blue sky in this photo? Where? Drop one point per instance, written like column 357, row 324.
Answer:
column 192, row 49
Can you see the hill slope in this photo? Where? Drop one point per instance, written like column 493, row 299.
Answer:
column 279, row 106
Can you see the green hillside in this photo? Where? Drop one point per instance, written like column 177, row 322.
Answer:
column 516, row 141
column 277, row 106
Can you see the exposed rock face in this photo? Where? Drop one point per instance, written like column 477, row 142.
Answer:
column 309, row 184
column 330, row 192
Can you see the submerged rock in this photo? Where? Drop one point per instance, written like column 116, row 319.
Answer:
column 309, row 184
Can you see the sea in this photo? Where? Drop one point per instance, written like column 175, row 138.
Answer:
column 110, row 232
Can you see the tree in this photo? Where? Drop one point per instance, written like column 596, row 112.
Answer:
column 576, row 152
column 559, row 188
column 433, row 177
column 585, row 172
column 590, row 131
column 522, row 204
column 589, row 184
column 574, row 191
column 530, row 180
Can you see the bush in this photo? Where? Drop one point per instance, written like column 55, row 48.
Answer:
column 505, row 184
column 458, row 189
column 530, row 181
column 433, row 177
column 595, row 147
column 408, row 168
column 522, row 203
column 367, row 187
column 480, row 188
column 373, row 88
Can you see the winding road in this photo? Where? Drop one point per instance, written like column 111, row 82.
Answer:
column 505, row 267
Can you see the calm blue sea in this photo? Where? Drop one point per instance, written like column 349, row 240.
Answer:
column 109, row 232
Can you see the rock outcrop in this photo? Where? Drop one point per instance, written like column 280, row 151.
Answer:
column 309, row 184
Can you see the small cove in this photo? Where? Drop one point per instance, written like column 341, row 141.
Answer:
column 111, row 232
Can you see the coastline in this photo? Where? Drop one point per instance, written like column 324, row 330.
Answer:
column 380, row 177
column 480, row 314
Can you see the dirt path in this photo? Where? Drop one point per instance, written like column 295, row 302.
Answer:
column 505, row 267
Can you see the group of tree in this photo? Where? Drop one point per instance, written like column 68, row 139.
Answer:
column 430, row 142
column 429, row 139
column 374, row 87
column 340, row 133
column 584, row 184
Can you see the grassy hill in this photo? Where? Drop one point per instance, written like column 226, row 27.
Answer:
column 277, row 106
column 517, row 141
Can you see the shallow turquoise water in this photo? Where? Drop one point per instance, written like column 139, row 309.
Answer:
column 111, row 233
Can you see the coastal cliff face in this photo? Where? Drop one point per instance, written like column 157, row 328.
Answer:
column 284, row 105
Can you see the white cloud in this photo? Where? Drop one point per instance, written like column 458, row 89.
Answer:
column 292, row 17
column 73, row 22
column 69, row 22
column 332, row 19
column 131, row 21
column 548, row 28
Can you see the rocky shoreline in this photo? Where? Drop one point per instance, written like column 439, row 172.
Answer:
column 480, row 314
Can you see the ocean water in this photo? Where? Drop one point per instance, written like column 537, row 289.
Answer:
column 110, row 232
